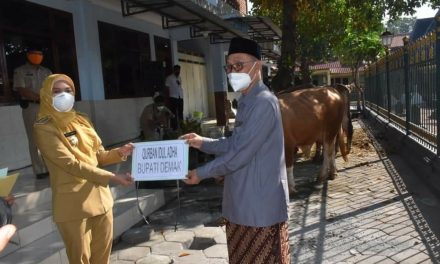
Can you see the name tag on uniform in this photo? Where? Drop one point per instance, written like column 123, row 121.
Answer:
column 73, row 140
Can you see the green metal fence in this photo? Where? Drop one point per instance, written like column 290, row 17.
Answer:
column 404, row 88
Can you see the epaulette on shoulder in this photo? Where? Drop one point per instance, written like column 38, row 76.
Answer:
column 43, row 120
column 82, row 114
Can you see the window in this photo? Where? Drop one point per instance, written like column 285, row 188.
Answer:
column 23, row 24
column 126, row 63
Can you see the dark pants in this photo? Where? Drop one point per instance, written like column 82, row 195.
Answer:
column 176, row 106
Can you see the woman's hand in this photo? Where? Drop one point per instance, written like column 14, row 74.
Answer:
column 122, row 179
column 9, row 199
column 193, row 140
column 192, row 178
column 6, row 232
column 126, row 150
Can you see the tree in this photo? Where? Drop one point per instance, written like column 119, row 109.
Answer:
column 401, row 25
column 287, row 19
column 349, row 29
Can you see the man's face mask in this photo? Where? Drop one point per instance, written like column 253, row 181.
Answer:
column 35, row 58
column 240, row 80
column 63, row 102
column 161, row 108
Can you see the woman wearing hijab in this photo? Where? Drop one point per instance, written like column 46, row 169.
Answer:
column 81, row 198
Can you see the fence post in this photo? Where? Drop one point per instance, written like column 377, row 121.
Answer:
column 377, row 89
column 406, row 80
column 387, row 75
column 437, row 62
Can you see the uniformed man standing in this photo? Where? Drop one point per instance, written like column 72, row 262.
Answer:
column 28, row 79
column 173, row 84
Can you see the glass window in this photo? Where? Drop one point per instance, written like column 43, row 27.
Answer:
column 126, row 62
column 24, row 24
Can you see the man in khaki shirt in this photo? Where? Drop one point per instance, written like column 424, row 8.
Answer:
column 28, row 79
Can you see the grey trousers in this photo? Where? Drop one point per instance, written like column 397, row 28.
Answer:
column 29, row 116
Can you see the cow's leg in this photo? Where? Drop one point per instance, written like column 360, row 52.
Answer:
column 289, row 155
column 318, row 152
column 327, row 165
column 332, row 162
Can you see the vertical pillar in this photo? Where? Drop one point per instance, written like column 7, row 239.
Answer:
column 220, row 111
column 387, row 76
column 377, row 89
column 437, row 61
column 406, row 83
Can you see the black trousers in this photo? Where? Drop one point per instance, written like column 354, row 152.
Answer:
column 176, row 106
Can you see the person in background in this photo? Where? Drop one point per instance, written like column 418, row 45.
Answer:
column 155, row 119
column 255, row 197
column 81, row 198
column 175, row 92
column 28, row 79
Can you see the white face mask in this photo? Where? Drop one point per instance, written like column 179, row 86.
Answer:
column 240, row 80
column 63, row 102
column 161, row 108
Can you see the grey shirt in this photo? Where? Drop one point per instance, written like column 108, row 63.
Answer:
column 252, row 161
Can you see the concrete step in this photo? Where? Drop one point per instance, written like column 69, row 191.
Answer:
column 37, row 232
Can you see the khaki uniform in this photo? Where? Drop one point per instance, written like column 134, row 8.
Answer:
column 81, row 199
column 31, row 77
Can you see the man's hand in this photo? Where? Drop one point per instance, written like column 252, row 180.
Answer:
column 193, row 140
column 192, row 178
column 122, row 179
column 126, row 150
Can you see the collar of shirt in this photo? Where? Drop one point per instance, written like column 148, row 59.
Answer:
column 245, row 99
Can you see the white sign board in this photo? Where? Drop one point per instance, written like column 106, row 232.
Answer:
column 160, row 160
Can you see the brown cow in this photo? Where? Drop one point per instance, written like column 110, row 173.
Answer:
column 314, row 115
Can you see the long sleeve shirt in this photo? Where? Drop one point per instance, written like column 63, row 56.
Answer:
column 252, row 161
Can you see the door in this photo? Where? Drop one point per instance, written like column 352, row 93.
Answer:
column 194, row 83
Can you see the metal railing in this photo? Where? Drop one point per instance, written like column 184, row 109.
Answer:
column 404, row 88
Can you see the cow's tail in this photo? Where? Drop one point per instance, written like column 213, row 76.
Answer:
column 345, row 135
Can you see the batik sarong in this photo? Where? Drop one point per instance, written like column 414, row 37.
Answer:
column 258, row 245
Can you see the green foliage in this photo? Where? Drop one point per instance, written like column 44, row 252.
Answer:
column 401, row 25
column 190, row 126
column 345, row 29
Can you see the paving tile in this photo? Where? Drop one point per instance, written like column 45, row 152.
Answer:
column 193, row 257
column 208, row 232
column 155, row 239
column 217, row 251
column 133, row 253
column 410, row 256
column 167, row 248
column 155, row 259
column 184, row 237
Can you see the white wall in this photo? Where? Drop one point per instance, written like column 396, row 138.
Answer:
column 14, row 151
column 115, row 120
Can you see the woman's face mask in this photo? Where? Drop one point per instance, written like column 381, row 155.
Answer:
column 240, row 80
column 63, row 102
column 62, row 97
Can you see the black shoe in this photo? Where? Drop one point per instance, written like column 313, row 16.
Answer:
column 43, row 175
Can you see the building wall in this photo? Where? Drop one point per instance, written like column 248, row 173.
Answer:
column 115, row 120
column 240, row 5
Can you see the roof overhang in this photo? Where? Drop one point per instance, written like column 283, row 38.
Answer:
column 261, row 29
column 220, row 25
column 178, row 13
